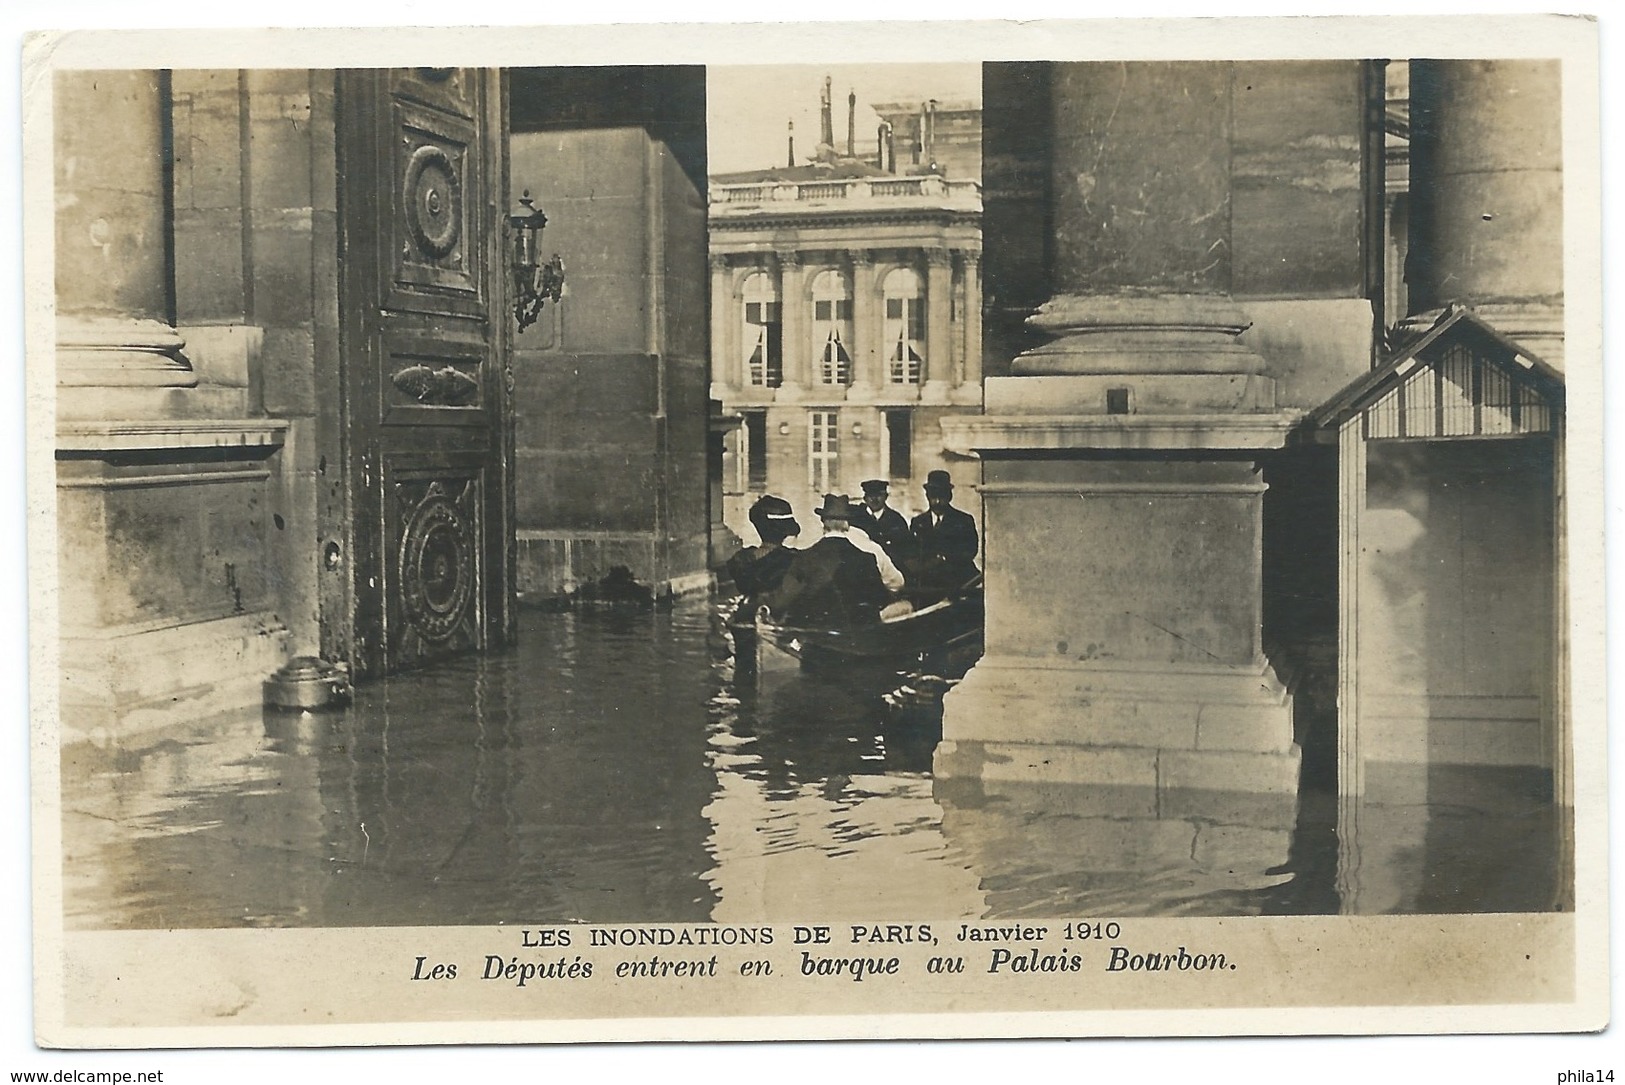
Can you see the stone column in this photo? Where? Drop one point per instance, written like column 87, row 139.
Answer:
column 1122, row 496
column 939, row 350
column 112, row 235
column 727, row 368
column 1487, row 196
column 971, row 389
column 793, row 311
column 867, row 377
column 1140, row 171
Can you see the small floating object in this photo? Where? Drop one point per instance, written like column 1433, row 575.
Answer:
column 307, row 682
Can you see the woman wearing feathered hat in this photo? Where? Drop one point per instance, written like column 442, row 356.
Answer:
column 757, row 570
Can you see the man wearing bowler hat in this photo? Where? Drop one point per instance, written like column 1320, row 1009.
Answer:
column 838, row 581
column 882, row 523
column 945, row 541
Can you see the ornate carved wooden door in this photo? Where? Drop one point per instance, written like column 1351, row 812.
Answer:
column 427, row 412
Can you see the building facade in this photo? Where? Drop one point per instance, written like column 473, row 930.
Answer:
column 846, row 309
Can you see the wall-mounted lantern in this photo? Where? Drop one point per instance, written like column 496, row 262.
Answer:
column 533, row 281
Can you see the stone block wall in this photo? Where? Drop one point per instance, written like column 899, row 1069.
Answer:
column 610, row 394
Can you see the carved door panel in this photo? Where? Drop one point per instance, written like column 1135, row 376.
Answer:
column 427, row 394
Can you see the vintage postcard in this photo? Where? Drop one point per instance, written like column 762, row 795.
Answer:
column 761, row 532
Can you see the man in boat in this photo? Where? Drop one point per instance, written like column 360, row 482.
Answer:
column 882, row 523
column 758, row 570
column 840, row 581
column 945, row 542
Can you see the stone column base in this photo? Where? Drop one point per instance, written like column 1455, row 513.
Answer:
column 1171, row 352
column 1190, row 728
column 139, row 678
column 120, row 353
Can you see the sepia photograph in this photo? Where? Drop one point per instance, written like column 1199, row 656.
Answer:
column 600, row 535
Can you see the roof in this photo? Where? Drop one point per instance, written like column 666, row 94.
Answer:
column 1456, row 321
column 817, row 171
column 944, row 105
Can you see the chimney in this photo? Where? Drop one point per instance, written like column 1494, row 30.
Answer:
column 880, row 145
column 826, row 130
column 929, row 137
column 790, row 158
column 852, row 123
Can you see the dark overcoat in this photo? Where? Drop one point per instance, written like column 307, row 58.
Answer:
column 831, row 584
column 944, row 556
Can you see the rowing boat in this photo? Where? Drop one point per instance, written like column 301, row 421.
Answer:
column 945, row 628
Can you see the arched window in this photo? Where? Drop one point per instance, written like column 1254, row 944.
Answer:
column 904, row 326
column 832, row 327
column 763, row 341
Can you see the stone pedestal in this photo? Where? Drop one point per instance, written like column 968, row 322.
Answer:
column 1170, row 729
column 1124, row 604
column 168, row 589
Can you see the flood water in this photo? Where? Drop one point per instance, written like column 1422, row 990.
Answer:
column 613, row 768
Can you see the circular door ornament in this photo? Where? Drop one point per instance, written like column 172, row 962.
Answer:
column 434, row 201
column 436, row 567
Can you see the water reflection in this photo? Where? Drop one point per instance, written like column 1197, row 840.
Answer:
column 824, row 809
column 615, row 768
column 1452, row 839
column 1048, row 850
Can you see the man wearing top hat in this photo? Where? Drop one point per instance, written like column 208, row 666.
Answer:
column 882, row 523
column 841, row 580
column 945, row 541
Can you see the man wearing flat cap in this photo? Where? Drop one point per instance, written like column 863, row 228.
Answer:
column 945, row 542
column 882, row 523
column 840, row 581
